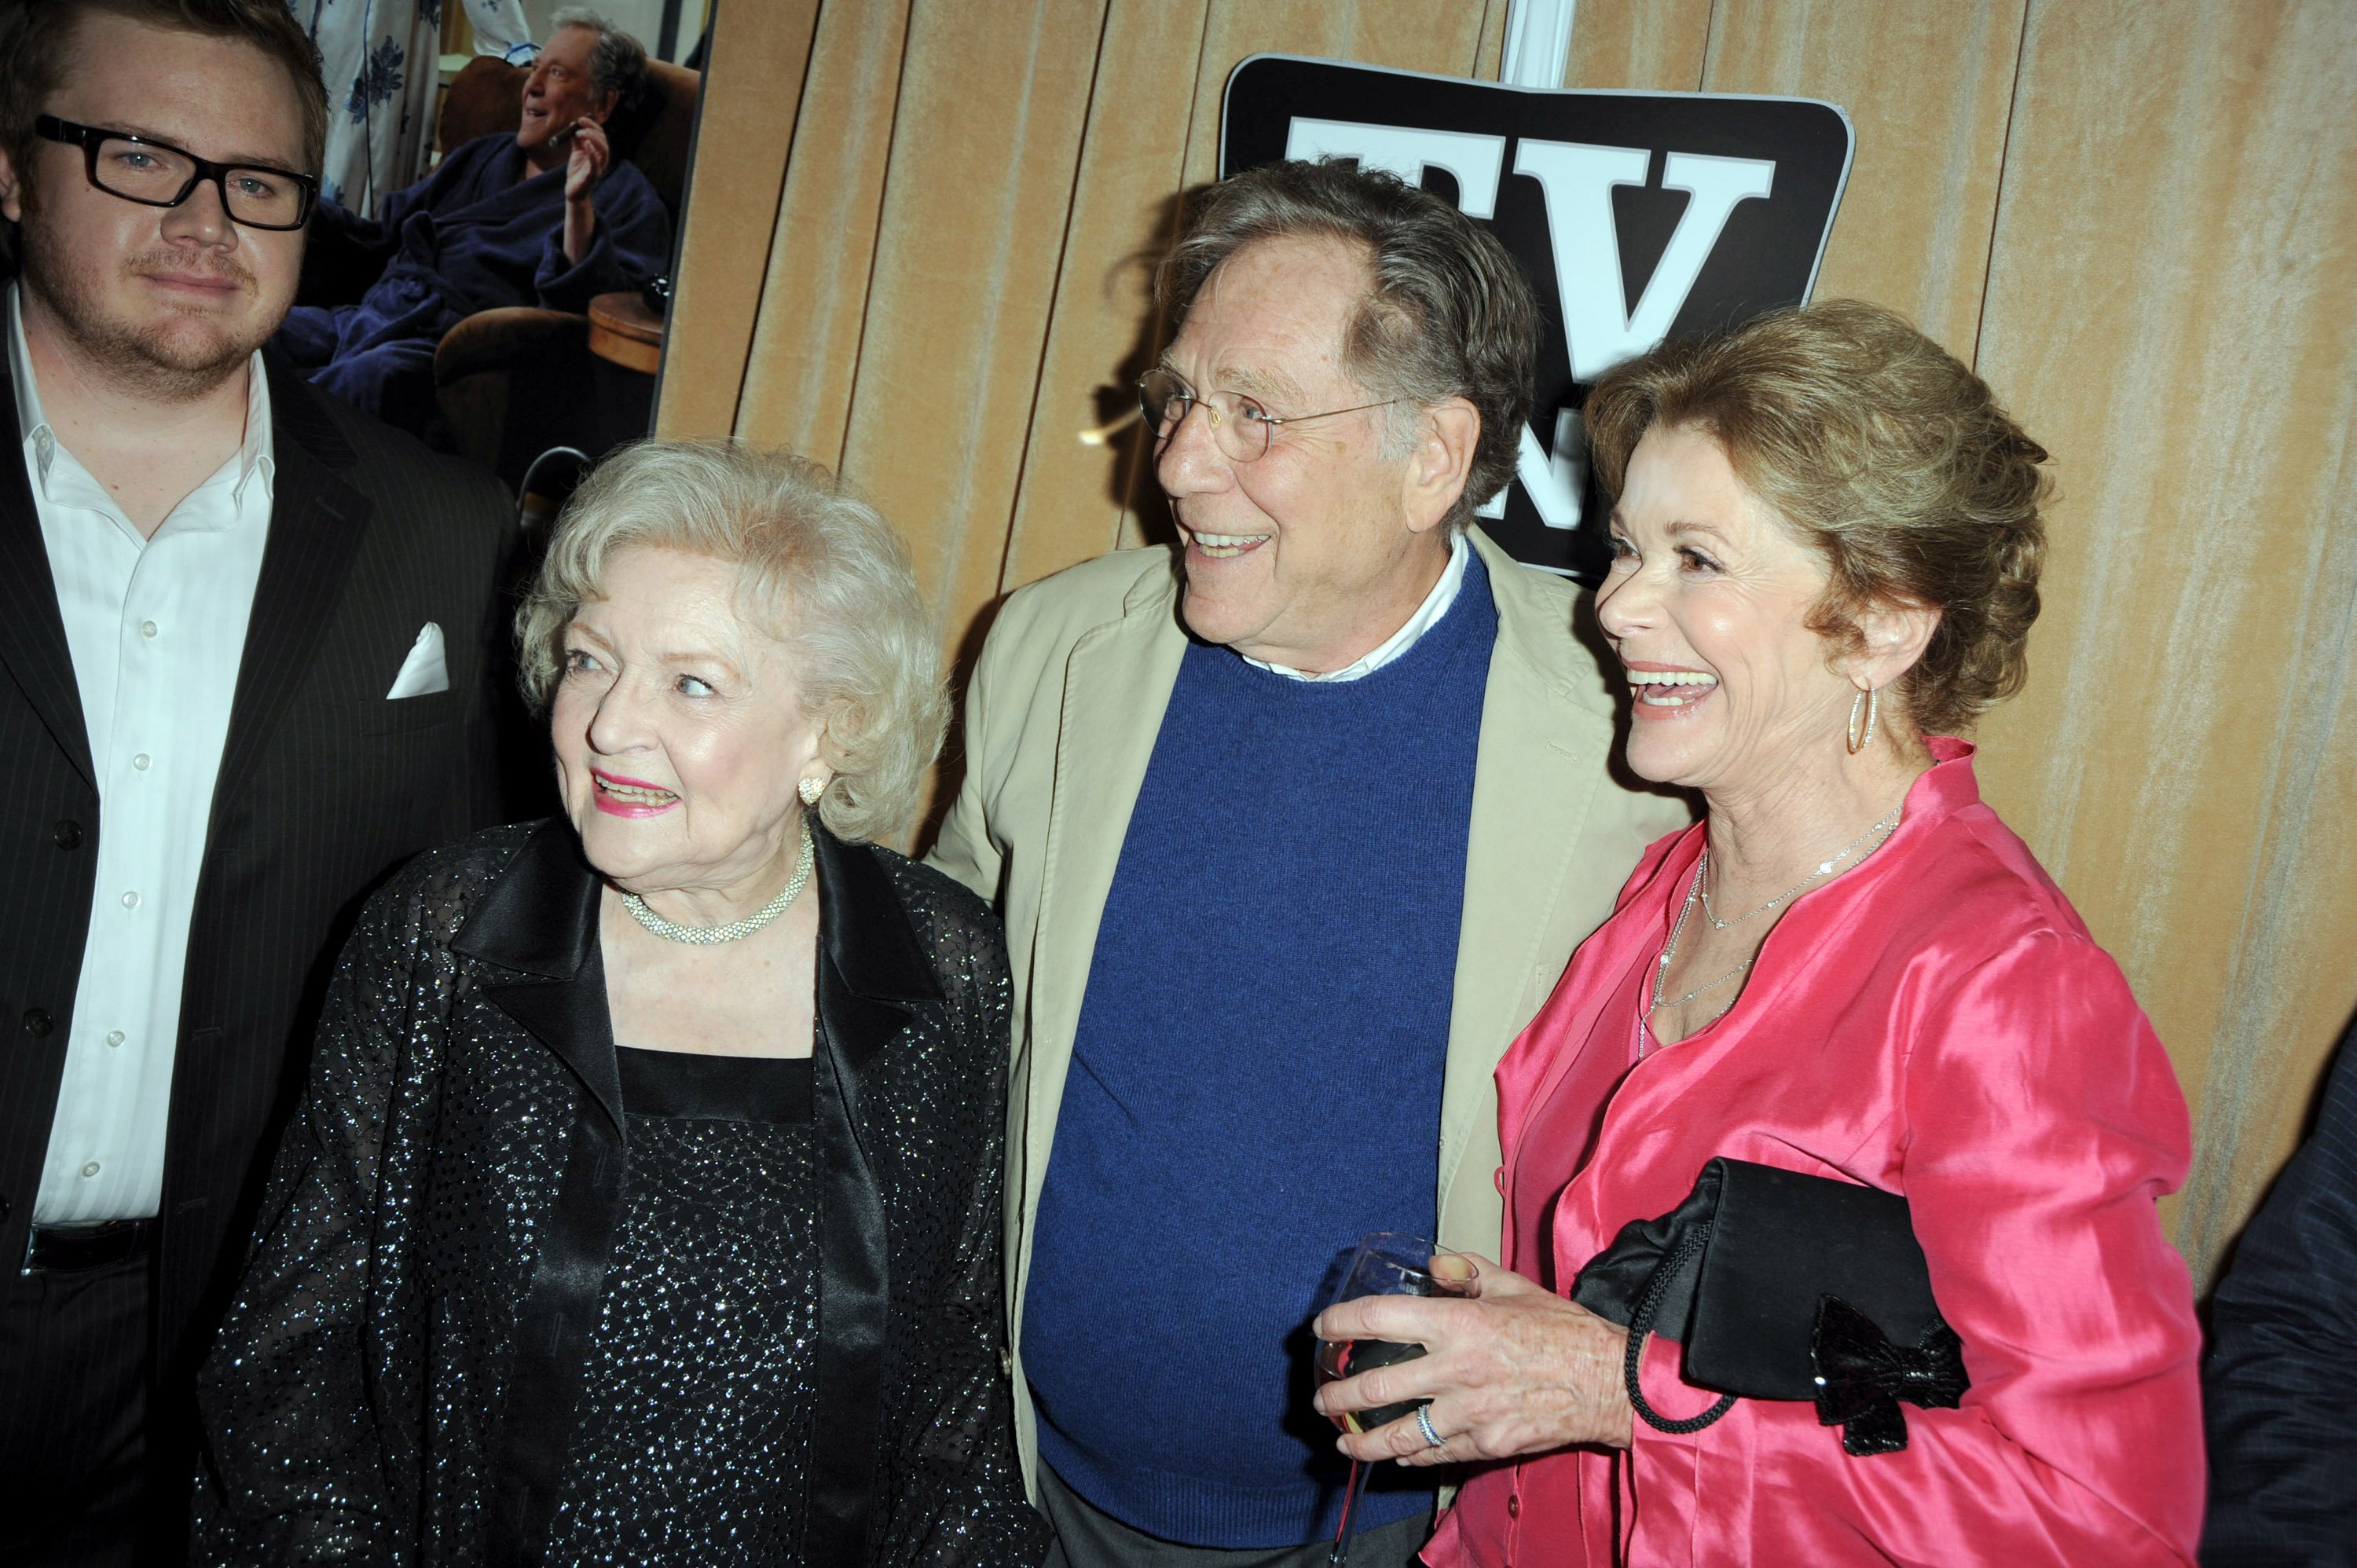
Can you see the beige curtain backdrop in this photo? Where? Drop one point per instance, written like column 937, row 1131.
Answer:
column 916, row 251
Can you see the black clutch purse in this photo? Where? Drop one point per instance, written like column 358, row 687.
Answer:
column 1784, row 1286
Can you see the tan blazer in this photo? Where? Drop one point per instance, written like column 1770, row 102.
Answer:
column 1061, row 721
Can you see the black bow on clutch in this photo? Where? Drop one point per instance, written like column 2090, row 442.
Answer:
column 1781, row 1285
column 1861, row 1376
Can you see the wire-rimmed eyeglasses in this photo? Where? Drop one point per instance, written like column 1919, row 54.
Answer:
column 1241, row 427
column 157, row 174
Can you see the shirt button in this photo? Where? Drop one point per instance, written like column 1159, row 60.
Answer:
column 37, row 1022
column 89, row 1168
column 131, row 900
column 140, row 762
column 147, row 628
column 114, row 1037
column 1513, row 1505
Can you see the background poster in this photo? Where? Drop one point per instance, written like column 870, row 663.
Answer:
column 1638, row 215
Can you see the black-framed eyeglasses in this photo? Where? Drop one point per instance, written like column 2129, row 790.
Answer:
column 157, row 174
column 1240, row 427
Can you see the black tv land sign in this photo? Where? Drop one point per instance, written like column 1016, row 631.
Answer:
column 1638, row 215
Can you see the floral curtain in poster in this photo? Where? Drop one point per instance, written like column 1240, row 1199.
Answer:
column 382, row 59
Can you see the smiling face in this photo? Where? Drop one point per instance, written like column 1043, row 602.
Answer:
column 171, row 297
column 679, row 731
column 1306, row 557
column 1708, row 603
column 558, row 92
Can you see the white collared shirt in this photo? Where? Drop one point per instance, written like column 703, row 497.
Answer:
column 1428, row 616
column 156, row 628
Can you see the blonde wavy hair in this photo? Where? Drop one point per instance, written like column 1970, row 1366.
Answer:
column 1881, row 450
column 820, row 570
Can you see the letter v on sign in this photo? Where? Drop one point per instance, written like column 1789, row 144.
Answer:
column 1600, row 329
column 1578, row 182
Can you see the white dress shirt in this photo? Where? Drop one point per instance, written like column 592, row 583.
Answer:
column 156, row 628
column 1428, row 616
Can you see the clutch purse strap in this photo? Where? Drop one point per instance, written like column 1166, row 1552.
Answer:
column 1641, row 1324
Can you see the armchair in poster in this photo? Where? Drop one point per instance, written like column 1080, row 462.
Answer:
column 1638, row 215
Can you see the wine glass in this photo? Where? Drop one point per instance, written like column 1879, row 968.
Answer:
column 1386, row 1264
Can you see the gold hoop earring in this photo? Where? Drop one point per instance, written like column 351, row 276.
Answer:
column 1871, row 701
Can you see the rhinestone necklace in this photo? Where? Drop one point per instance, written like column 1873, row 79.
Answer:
column 1661, row 970
column 1824, row 868
column 706, row 936
column 1697, row 894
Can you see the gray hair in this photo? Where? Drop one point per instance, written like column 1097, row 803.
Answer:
column 820, row 569
column 618, row 63
column 1448, row 313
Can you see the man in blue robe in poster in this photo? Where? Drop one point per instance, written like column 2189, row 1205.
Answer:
column 547, row 217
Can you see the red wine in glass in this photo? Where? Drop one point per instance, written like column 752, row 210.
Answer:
column 1386, row 1264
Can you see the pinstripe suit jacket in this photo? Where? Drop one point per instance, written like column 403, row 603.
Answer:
column 324, row 787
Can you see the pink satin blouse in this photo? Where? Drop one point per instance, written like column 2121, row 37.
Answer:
column 1937, row 1023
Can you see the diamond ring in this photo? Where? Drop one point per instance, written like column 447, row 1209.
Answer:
column 1423, row 1425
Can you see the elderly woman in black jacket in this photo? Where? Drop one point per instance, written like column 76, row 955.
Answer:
column 644, row 1204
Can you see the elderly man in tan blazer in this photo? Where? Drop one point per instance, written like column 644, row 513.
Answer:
column 1293, row 829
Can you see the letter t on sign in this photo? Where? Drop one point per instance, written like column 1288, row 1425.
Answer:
column 1474, row 162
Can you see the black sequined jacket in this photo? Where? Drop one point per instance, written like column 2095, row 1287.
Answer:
column 395, row 1381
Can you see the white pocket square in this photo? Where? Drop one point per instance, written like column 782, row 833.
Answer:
column 424, row 671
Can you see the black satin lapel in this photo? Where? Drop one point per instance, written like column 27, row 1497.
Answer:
column 316, row 523
column 871, row 974
column 32, row 630
column 866, row 947
column 863, row 927
column 541, row 916
column 569, row 1277
column 572, row 1019
column 861, row 1027
column 854, row 1290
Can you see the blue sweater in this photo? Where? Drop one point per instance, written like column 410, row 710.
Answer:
column 1256, row 1083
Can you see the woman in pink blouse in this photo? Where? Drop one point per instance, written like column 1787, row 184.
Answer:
column 1826, row 547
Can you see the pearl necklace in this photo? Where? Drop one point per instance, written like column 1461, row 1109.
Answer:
column 706, row 936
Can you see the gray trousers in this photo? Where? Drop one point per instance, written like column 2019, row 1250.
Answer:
column 1087, row 1537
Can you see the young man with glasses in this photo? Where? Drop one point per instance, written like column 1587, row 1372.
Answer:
column 1293, row 828
column 242, row 635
